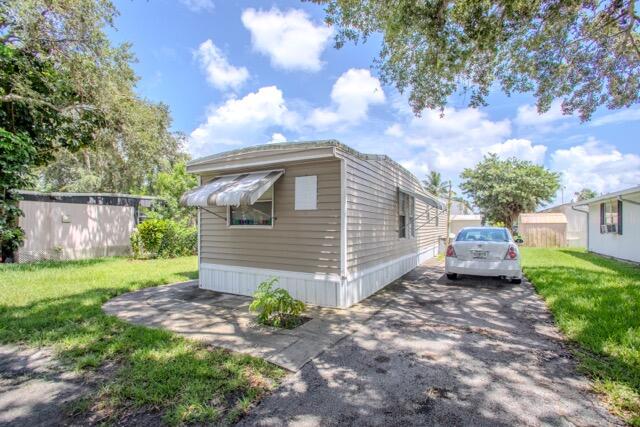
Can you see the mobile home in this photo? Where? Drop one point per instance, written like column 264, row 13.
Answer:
column 613, row 224
column 333, row 224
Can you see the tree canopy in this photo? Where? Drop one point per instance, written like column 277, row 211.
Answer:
column 122, row 160
column 171, row 185
column 434, row 184
column 64, row 87
column 585, row 194
column 584, row 52
column 503, row 189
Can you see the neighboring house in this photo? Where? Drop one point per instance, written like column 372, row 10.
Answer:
column 614, row 224
column 334, row 225
column 543, row 230
column 458, row 222
column 459, row 208
column 576, row 223
column 77, row 225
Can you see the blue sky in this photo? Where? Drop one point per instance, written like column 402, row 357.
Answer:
column 238, row 73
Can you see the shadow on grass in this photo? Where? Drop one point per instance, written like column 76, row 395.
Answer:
column 51, row 264
column 158, row 373
column 596, row 303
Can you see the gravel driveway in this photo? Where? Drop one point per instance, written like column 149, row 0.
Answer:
column 470, row 352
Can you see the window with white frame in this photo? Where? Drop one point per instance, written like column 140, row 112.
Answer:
column 259, row 214
column 611, row 216
column 406, row 215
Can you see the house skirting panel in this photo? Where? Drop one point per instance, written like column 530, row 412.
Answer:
column 367, row 282
column 320, row 289
column 327, row 290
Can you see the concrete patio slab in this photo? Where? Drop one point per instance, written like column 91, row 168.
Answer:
column 224, row 320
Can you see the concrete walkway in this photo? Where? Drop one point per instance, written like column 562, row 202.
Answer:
column 224, row 320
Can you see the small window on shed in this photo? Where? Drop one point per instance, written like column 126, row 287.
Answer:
column 406, row 214
column 306, row 193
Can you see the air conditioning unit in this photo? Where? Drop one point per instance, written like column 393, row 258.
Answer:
column 603, row 228
column 613, row 228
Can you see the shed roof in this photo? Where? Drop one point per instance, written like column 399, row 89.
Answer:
column 543, row 218
column 60, row 194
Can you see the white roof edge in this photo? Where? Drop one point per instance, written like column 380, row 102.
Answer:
column 607, row 196
column 284, row 146
column 64, row 194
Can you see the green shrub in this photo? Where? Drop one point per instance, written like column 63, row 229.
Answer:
column 276, row 307
column 163, row 238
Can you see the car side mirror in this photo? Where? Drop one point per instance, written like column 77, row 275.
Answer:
column 519, row 240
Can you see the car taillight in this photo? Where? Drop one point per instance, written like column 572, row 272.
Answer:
column 511, row 253
column 451, row 252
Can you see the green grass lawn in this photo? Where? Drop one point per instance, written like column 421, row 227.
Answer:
column 596, row 303
column 58, row 304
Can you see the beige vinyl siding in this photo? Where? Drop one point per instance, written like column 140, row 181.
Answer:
column 372, row 214
column 302, row 241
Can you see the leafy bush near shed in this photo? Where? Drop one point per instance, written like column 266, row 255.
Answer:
column 163, row 238
column 276, row 307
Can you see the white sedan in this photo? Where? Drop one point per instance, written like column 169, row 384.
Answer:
column 484, row 251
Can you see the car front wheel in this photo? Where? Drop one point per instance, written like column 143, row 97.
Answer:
column 452, row 276
column 516, row 281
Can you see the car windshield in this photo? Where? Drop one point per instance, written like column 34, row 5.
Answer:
column 483, row 235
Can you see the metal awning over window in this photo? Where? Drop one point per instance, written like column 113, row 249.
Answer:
column 232, row 190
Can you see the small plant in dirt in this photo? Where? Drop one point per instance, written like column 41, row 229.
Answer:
column 275, row 307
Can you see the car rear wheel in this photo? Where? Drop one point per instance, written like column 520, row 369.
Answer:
column 452, row 276
column 516, row 281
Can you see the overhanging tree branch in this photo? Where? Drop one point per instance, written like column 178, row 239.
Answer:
column 12, row 97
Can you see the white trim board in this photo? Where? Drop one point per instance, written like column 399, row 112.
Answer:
column 343, row 218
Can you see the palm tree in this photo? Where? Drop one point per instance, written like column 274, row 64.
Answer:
column 435, row 185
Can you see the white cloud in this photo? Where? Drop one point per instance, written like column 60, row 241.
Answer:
column 629, row 115
column 199, row 5
column 242, row 121
column 528, row 115
column 276, row 138
column 418, row 168
column 290, row 38
column 597, row 166
column 455, row 140
column 220, row 73
column 523, row 149
column 351, row 96
column 394, row 130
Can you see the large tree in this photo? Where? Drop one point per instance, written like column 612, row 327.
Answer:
column 584, row 52
column 63, row 87
column 503, row 189
column 125, row 159
column 585, row 194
